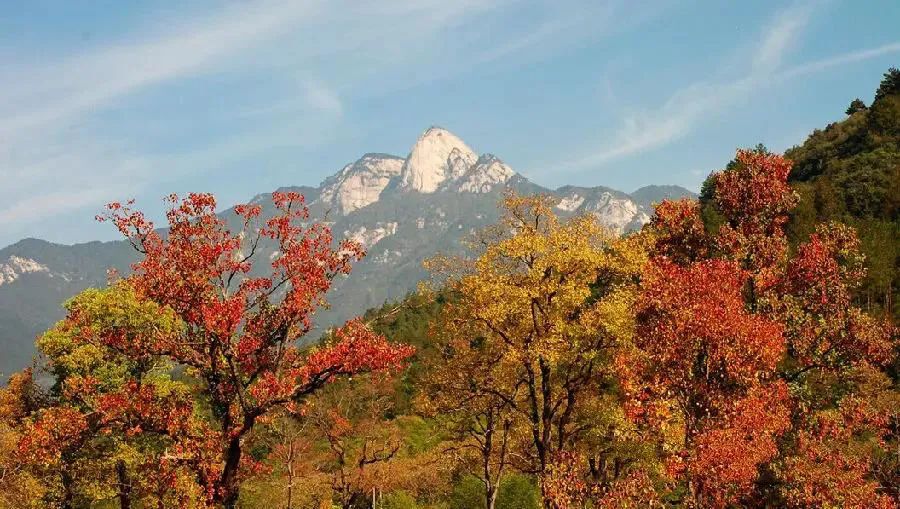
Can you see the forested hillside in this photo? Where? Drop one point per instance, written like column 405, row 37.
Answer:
column 850, row 172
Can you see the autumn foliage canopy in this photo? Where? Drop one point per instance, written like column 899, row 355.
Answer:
column 702, row 362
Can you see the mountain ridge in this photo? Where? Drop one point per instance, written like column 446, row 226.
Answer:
column 403, row 210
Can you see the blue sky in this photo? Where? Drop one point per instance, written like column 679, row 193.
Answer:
column 110, row 100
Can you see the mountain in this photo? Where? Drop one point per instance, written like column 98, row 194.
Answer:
column 648, row 196
column 403, row 210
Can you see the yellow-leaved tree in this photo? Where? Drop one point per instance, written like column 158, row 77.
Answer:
column 529, row 342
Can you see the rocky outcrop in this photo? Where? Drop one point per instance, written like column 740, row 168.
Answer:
column 437, row 156
column 361, row 183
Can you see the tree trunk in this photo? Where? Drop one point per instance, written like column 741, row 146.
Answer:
column 491, row 495
column 68, row 493
column 290, row 472
column 124, row 485
column 228, row 485
column 486, row 450
column 356, row 499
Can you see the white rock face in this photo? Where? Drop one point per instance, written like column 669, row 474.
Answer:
column 487, row 172
column 438, row 155
column 368, row 237
column 361, row 183
column 642, row 218
column 458, row 163
column 387, row 256
column 16, row 266
column 570, row 203
column 613, row 212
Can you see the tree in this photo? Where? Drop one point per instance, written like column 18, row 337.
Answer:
column 352, row 420
column 463, row 389
column 816, row 361
column 399, row 500
column 824, row 329
column 548, row 301
column 754, row 197
column 239, row 330
column 83, row 440
column 286, row 476
column 855, row 106
column 518, row 492
column 851, row 170
column 19, row 487
column 890, row 84
column 706, row 361
column 679, row 232
column 707, row 366
column 837, row 450
column 845, row 412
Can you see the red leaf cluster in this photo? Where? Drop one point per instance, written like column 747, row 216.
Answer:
column 679, row 231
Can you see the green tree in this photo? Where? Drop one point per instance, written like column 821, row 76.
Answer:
column 890, row 84
column 855, row 106
column 78, row 442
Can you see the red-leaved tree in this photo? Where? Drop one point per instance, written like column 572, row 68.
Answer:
column 239, row 330
column 712, row 363
column 744, row 341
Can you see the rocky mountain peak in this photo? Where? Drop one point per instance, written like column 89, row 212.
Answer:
column 487, row 172
column 437, row 156
column 360, row 183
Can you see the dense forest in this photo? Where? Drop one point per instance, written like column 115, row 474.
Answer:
column 738, row 351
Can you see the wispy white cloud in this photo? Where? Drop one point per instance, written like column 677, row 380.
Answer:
column 40, row 206
column 50, row 163
column 842, row 59
column 780, row 38
column 687, row 108
column 48, row 94
column 321, row 97
column 674, row 119
column 62, row 179
column 649, row 129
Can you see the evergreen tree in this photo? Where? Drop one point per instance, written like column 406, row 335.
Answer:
column 855, row 106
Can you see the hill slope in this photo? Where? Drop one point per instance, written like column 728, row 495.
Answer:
column 850, row 172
